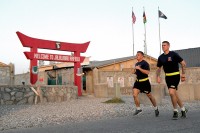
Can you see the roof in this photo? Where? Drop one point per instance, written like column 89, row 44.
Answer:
column 3, row 64
column 191, row 56
column 100, row 64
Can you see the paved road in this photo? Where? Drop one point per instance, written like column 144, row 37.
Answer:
column 133, row 124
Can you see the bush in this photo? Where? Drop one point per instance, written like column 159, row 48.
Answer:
column 115, row 100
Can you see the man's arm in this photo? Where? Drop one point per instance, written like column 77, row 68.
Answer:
column 142, row 70
column 183, row 66
column 133, row 70
column 158, row 71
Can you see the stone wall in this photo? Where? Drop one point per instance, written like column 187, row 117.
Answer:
column 58, row 93
column 26, row 95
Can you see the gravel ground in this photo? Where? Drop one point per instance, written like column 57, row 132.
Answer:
column 85, row 108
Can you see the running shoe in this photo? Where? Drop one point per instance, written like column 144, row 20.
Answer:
column 137, row 112
column 175, row 115
column 156, row 112
column 183, row 113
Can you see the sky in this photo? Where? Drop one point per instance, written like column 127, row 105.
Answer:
column 107, row 24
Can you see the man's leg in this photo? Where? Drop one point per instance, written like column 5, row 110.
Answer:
column 174, row 100
column 135, row 96
column 172, row 93
column 153, row 101
column 136, row 100
column 180, row 103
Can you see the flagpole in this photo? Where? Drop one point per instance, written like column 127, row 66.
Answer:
column 133, row 34
column 145, row 43
column 159, row 29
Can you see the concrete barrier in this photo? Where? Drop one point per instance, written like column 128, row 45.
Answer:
column 189, row 91
column 101, row 90
column 197, row 91
column 186, row 92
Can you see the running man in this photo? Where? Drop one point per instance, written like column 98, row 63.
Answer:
column 142, row 84
column 170, row 60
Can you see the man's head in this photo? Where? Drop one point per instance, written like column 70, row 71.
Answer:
column 165, row 46
column 139, row 55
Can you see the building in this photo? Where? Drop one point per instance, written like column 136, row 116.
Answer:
column 113, row 71
column 6, row 74
column 191, row 56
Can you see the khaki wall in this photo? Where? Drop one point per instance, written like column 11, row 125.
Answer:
column 89, row 82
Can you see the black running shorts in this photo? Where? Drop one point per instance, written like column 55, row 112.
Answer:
column 144, row 87
column 172, row 81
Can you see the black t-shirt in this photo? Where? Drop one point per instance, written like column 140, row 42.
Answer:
column 144, row 65
column 169, row 62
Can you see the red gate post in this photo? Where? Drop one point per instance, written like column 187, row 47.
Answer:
column 77, row 78
column 33, row 63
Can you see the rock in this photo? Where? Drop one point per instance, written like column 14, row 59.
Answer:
column 12, row 93
column 10, row 102
column 19, row 98
column 31, row 100
column 68, row 96
column 44, row 99
column 13, row 98
column 51, row 98
column 28, row 94
column 28, row 89
column 18, row 94
column 8, row 90
column 6, row 96
column 60, row 93
column 2, row 89
column 2, row 102
column 23, row 101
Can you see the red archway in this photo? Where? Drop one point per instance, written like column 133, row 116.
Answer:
column 34, row 56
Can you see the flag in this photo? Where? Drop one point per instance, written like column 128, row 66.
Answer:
column 144, row 18
column 133, row 17
column 161, row 15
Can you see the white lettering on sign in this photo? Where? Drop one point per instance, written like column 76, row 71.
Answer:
column 42, row 56
column 77, row 58
column 51, row 57
column 61, row 57
column 72, row 58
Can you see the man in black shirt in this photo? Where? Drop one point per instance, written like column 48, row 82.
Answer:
column 170, row 60
column 142, row 83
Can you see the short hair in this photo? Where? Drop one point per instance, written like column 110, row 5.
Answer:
column 166, row 42
column 140, row 52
